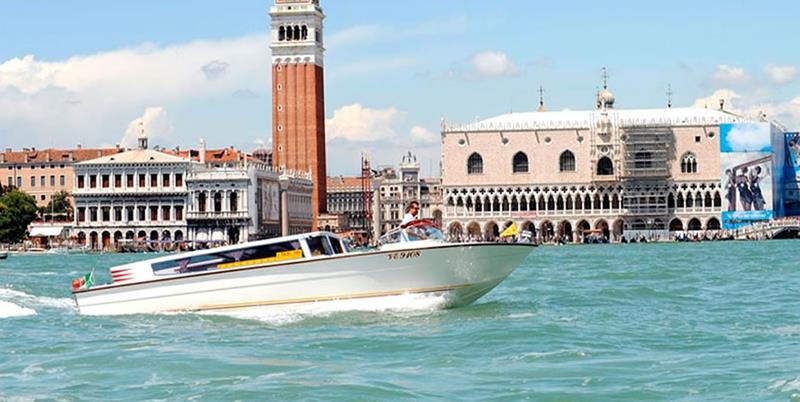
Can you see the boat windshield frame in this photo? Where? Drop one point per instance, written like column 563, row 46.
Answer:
column 419, row 230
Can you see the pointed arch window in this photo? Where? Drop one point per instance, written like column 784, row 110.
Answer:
column 605, row 167
column 520, row 162
column 688, row 163
column 475, row 164
column 566, row 162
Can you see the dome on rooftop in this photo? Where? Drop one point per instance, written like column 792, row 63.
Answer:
column 605, row 99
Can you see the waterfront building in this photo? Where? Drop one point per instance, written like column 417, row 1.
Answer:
column 138, row 194
column 619, row 173
column 234, row 197
column 298, row 101
column 345, row 199
column 396, row 188
column 43, row 173
column 173, row 196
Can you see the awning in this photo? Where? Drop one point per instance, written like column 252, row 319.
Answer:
column 46, row 231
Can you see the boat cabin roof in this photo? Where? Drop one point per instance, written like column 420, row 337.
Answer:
column 234, row 247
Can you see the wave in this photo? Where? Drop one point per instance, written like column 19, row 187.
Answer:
column 8, row 310
column 31, row 301
column 785, row 385
column 403, row 305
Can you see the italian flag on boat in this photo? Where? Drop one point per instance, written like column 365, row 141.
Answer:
column 86, row 282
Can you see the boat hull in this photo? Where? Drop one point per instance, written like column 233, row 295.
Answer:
column 463, row 272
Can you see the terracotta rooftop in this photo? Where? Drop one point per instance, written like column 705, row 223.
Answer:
column 212, row 155
column 55, row 155
column 344, row 183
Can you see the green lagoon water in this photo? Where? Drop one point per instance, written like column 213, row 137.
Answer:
column 710, row 321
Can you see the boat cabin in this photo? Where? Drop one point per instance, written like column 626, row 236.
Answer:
column 263, row 252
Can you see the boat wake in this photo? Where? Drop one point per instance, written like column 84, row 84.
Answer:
column 400, row 305
column 14, row 303
column 8, row 310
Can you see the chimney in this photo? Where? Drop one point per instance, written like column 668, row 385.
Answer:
column 202, row 151
column 79, row 146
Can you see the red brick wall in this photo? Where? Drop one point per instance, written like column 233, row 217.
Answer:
column 298, row 129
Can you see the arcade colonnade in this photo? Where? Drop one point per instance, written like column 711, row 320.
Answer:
column 568, row 211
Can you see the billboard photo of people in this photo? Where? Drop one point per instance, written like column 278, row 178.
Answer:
column 746, row 171
column 791, row 177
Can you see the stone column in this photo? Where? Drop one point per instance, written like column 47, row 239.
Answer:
column 284, row 203
column 377, row 212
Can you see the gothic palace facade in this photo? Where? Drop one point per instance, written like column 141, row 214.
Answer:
column 617, row 173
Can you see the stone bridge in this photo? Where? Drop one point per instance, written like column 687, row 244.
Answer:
column 781, row 229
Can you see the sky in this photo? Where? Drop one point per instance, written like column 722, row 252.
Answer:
column 88, row 71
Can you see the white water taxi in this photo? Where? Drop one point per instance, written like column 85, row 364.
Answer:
column 307, row 268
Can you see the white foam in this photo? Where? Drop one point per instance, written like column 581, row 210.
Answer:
column 29, row 299
column 407, row 304
column 786, row 385
column 8, row 310
column 522, row 315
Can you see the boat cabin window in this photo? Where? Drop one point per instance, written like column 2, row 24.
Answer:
column 319, row 245
column 246, row 256
column 324, row 245
column 336, row 244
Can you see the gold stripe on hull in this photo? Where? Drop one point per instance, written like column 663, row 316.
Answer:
column 328, row 298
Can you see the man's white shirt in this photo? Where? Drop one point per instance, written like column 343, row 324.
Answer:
column 408, row 218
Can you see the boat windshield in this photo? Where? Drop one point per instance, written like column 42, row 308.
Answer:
column 416, row 231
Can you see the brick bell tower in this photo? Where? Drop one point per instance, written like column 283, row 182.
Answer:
column 298, row 101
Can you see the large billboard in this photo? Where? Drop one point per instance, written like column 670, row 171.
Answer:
column 791, row 174
column 746, row 171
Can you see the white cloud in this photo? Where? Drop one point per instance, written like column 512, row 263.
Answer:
column 780, row 74
column 492, row 63
column 156, row 125
column 712, row 102
column 748, row 137
column 362, row 124
column 215, row 69
column 91, row 97
column 422, row 135
column 787, row 112
column 729, row 75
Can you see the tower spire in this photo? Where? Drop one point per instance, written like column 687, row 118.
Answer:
column 541, row 98
column 142, row 135
column 605, row 78
column 669, row 96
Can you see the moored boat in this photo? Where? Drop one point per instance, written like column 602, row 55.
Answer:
column 307, row 268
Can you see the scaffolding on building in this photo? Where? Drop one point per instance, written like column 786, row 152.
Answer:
column 647, row 153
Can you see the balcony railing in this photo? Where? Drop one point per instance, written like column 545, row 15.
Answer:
column 218, row 215
column 128, row 190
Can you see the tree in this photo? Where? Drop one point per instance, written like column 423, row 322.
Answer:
column 17, row 211
column 59, row 206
